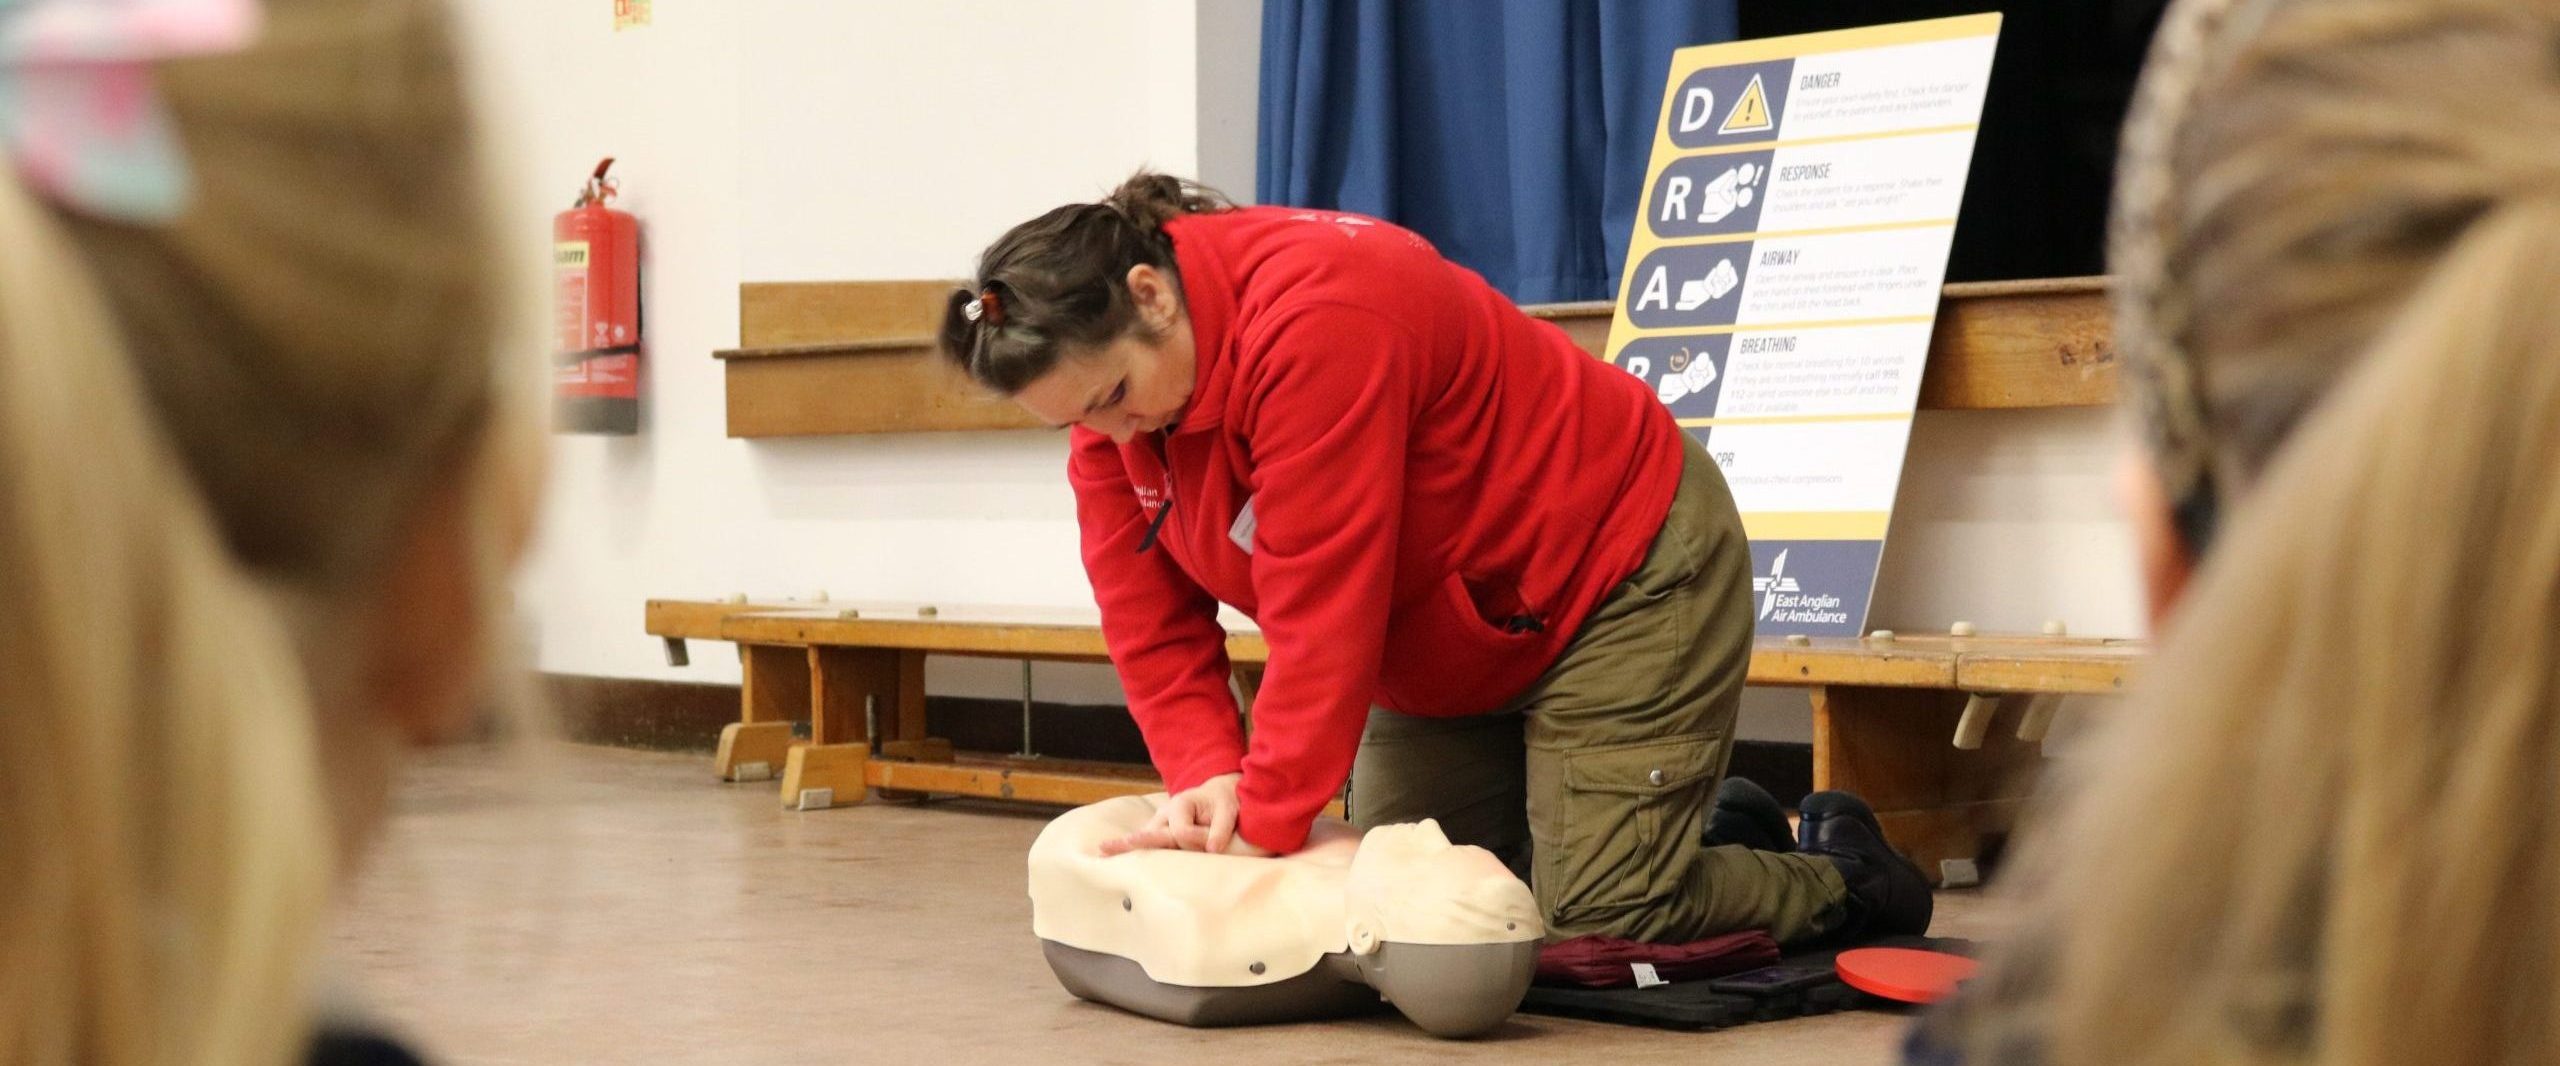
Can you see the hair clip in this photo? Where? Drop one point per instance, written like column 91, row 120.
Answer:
column 987, row 306
column 80, row 120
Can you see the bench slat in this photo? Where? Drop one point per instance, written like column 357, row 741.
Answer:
column 1975, row 664
column 1848, row 661
column 2105, row 668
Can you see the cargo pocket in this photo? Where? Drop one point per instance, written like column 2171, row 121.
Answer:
column 1627, row 825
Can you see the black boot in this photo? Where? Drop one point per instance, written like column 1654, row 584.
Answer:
column 1747, row 814
column 1888, row 896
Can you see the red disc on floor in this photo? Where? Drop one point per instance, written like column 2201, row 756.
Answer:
column 1904, row 975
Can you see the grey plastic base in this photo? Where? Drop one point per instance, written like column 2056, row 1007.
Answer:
column 1323, row 992
column 1449, row 991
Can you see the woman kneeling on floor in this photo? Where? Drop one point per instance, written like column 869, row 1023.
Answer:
column 1501, row 587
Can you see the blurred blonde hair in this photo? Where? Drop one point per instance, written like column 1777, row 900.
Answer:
column 212, row 436
column 2329, row 831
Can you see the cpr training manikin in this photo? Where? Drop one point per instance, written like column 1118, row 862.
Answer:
column 1444, row 933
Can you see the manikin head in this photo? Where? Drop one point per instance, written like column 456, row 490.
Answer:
column 1409, row 885
column 1445, row 933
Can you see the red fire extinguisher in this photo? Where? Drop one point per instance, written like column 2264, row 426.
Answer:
column 595, row 267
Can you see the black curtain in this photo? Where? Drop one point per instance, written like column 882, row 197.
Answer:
column 2036, row 204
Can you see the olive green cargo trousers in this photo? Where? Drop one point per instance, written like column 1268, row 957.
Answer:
column 1597, row 781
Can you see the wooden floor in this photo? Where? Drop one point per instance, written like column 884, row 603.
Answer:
column 599, row 905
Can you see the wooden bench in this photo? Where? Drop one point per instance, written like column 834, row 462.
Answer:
column 1888, row 714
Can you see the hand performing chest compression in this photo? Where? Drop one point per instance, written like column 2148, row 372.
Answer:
column 1200, row 818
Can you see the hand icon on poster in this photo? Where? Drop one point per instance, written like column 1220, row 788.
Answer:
column 1730, row 192
column 1695, row 293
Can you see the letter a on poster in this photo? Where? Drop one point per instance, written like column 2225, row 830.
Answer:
column 1784, row 277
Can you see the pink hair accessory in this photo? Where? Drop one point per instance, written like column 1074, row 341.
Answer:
column 81, row 120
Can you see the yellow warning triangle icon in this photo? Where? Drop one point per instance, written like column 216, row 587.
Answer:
column 1751, row 113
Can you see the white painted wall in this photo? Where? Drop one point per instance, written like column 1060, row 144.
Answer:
column 561, row 90
column 804, row 139
column 774, row 140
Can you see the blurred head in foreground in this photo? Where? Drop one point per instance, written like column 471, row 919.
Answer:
column 261, row 479
column 2327, row 830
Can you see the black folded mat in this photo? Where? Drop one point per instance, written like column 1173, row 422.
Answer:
column 1693, row 1005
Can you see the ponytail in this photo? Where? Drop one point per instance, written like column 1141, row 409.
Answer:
column 166, row 857
column 1149, row 200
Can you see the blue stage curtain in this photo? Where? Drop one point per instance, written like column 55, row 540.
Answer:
column 1512, row 133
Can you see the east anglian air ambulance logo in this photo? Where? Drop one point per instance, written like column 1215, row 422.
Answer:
column 1774, row 585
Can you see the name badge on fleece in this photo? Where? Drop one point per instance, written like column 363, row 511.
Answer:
column 1242, row 531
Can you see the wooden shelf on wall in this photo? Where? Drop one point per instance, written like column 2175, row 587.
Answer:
column 824, row 358
column 891, row 385
column 821, row 358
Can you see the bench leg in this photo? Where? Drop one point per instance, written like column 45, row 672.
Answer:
column 848, row 689
column 856, row 696
column 1248, row 684
column 819, row 776
column 1892, row 746
column 752, row 751
column 902, row 726
column 775, row 694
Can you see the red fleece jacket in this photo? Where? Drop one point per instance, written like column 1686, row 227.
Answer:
column 1417, row 491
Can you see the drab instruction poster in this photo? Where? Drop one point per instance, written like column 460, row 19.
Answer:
column 1784, row 278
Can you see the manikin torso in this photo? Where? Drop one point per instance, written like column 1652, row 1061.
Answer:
column 1444, row 932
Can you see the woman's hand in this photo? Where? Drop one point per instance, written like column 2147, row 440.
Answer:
column 1202, row 818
